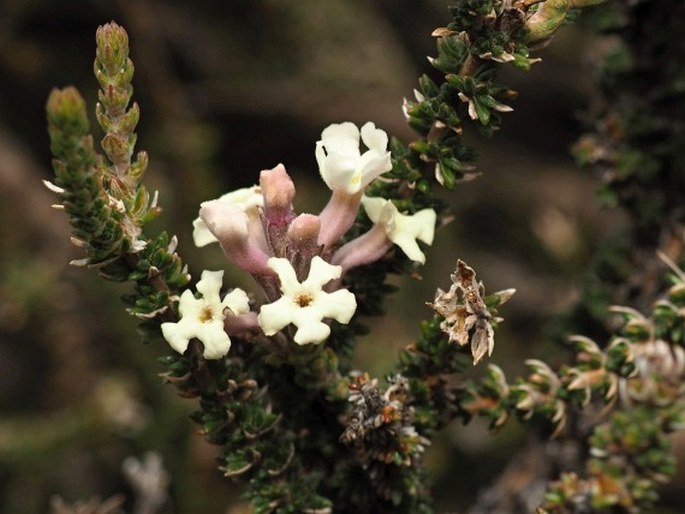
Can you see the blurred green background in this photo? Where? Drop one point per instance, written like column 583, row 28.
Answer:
column 227, row 89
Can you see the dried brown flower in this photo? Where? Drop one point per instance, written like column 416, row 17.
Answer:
column 466, row 313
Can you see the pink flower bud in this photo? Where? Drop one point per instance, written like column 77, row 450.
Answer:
column 302, row 237
column 277, row 188
column 304, row 229
column 278, row 191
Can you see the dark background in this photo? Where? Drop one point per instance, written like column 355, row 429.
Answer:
column 227, row 89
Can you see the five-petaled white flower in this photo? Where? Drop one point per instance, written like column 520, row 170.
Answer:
column 306, row 304
column 248, row 199
column 342, row 165
column 402, row 229
column 203, row 318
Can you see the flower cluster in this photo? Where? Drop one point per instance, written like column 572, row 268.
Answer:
column 298, row 259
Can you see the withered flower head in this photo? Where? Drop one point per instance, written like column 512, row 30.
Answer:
column 466, row 313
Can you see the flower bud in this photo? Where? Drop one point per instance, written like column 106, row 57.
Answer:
column 302, row 237
column 230, row 225
column 278, row 191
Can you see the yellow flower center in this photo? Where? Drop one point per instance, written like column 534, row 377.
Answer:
column 206, row 314
column 304, row 299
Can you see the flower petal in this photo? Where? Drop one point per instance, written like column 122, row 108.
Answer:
column 188, row 304
column 339, row 305
column 371, row 165
column 202, row 236
column 214, row 339
column 176, row 334
column 374, row 138
column 237, row 301
column 409, row 246
column 337, row 171
column 312, row 332
column 320, row 274
column 286, row 275
column 343, row 136
column 373, row 206
column 277, row 315
column 210, row 285
column 424, row 221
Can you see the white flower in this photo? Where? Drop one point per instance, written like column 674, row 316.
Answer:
column 203, row 318
column 342, row 165
column 402, row 229
column 248, row 199
column 306, row 304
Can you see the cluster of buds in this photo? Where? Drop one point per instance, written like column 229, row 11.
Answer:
column 658, row 367
column 643, row 368
column 380, row 426
column 489, row 398
column 104, row 197
column 544, row 392
column 631, row 456
column 539, row 394
column 590, row 374
column 645, row 362
column 549, row 394
column 297, row 259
